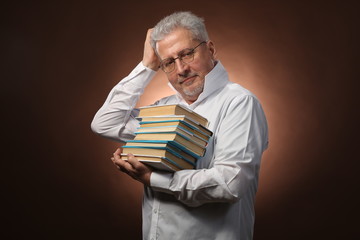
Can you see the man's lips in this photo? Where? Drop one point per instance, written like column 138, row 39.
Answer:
column 188, row 79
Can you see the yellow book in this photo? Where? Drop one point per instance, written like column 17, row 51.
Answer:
column 173, row 109
column 170, row 136
column 160, row 163
column 160, row 119
column 188, row 127
column 167, row 144
column 170, row 130
column 166, row 153
column 179, row 140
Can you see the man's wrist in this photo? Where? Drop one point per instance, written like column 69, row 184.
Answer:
column 152, row 66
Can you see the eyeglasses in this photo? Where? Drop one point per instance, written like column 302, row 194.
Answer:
column 185, row 56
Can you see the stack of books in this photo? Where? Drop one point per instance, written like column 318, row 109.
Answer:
column 170, row 137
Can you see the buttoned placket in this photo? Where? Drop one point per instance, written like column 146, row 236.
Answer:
column 155, row 220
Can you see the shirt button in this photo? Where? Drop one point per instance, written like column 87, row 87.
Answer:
column 155, row 211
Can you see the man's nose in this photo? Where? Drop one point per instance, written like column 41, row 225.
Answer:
column 180, row 66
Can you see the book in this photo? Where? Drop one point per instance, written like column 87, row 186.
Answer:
column 172, row 109
column 167, row 144
column 160, row 163
column 170, row 130
column 171, row 136
column 161, row 152
column 179, row 142
column 176, row 118
column 185, row 125
column 187, row 153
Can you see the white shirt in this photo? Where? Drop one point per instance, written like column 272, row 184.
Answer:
column 215, row 200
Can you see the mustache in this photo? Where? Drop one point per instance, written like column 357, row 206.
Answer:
column 186, row 76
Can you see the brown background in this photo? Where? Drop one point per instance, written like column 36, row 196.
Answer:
column 60, row 59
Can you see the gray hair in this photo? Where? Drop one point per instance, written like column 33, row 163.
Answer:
column 176, row 20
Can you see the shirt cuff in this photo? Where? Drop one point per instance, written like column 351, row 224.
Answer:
column 160, row 181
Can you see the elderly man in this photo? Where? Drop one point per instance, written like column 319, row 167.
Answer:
column 216, row 199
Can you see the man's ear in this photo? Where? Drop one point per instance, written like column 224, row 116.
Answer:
column 212, row 49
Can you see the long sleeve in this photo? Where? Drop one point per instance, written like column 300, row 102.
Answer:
column 116, row 118
column 239, row 140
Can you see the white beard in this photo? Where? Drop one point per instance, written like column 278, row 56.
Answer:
column 195, row 92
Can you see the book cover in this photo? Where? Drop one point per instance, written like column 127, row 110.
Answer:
column 185, row 125
column 161, row 152
column 189, row 133
column 173, row 149
column 192, row 149
column 174, row 118
column 180, row 137
column 172, row 109
column 160, row 163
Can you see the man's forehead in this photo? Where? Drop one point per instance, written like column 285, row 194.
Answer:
column 174, row 43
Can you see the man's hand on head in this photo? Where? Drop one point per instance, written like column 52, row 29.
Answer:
column 150, row 59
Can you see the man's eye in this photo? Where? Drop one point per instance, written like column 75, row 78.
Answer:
column 168, row 63
column 186, row 54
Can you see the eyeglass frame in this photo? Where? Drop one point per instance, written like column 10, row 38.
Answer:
column 191, row 50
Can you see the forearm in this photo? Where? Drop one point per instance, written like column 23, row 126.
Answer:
column 116, row 118
column 221, row 183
